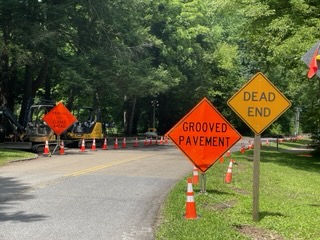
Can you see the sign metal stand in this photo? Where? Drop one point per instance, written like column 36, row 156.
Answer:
column 203, row 183
column 256, row 176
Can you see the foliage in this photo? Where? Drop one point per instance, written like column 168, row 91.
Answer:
column 120, row 55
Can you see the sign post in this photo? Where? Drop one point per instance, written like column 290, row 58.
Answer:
column 256, row 178
column 258, row 103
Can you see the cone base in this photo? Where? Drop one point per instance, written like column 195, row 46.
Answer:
column 191, row 217
column 227, row 180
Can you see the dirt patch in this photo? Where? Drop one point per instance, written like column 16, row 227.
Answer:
column 241, row 191
column 304, row 155
column 249, row 158
column 256, row 233
column 221, row 205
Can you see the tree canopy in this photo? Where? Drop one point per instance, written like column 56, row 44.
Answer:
column 123, row 55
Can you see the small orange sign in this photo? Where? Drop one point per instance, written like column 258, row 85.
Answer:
column 204, row 135
column 59, row 119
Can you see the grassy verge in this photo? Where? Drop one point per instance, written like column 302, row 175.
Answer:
column 289, row 200
column 8, row 155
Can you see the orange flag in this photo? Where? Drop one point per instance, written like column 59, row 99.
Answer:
column 313, row 66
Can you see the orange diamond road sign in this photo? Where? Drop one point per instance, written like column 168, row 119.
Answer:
column 59, row 119
column 204, row 135
column 259, row 103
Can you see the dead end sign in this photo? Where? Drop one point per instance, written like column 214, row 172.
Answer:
column 59, row 119
column 204, row 135
column 259, row 103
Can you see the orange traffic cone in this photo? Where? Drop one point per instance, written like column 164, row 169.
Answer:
column 104, row 146
column 146, row 142
column 115, row 145
column 195, row 178
column 242, row 149
column 228, row 153
column 93, row 147
column 83, row 146
column 124, row 143
column 190, row 204
column 161, row 140
column 61, row 151
column 228, row 177
column 136, row 143
column 46, row 152
column 221, row 160
column 150, row 141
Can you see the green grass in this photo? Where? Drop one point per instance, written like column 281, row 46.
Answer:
column 8, row 155
column 289, row 202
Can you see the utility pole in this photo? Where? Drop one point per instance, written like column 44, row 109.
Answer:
column 298, row 110
column 154, row 104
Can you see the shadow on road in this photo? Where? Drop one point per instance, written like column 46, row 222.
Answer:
column 12, row 193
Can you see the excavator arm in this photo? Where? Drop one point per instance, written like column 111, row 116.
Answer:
column 17, row 129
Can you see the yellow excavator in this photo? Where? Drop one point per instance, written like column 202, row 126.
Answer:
column 29, row 137
column 88, row 126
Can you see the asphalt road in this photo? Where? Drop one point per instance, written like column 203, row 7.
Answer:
column 113, row 194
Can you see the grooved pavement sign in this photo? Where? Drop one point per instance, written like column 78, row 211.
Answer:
column 259, row 103
column 204, row 135
column 59, row 119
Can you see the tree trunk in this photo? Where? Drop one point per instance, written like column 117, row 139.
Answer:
column 41, row 77
column 27, row 95
column 133, row 107
column 70, row 100
column 4, row 58
column 30, row 89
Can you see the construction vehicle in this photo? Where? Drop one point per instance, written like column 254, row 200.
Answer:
column 88, row 126
column 36, row 132
column 30, row 137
